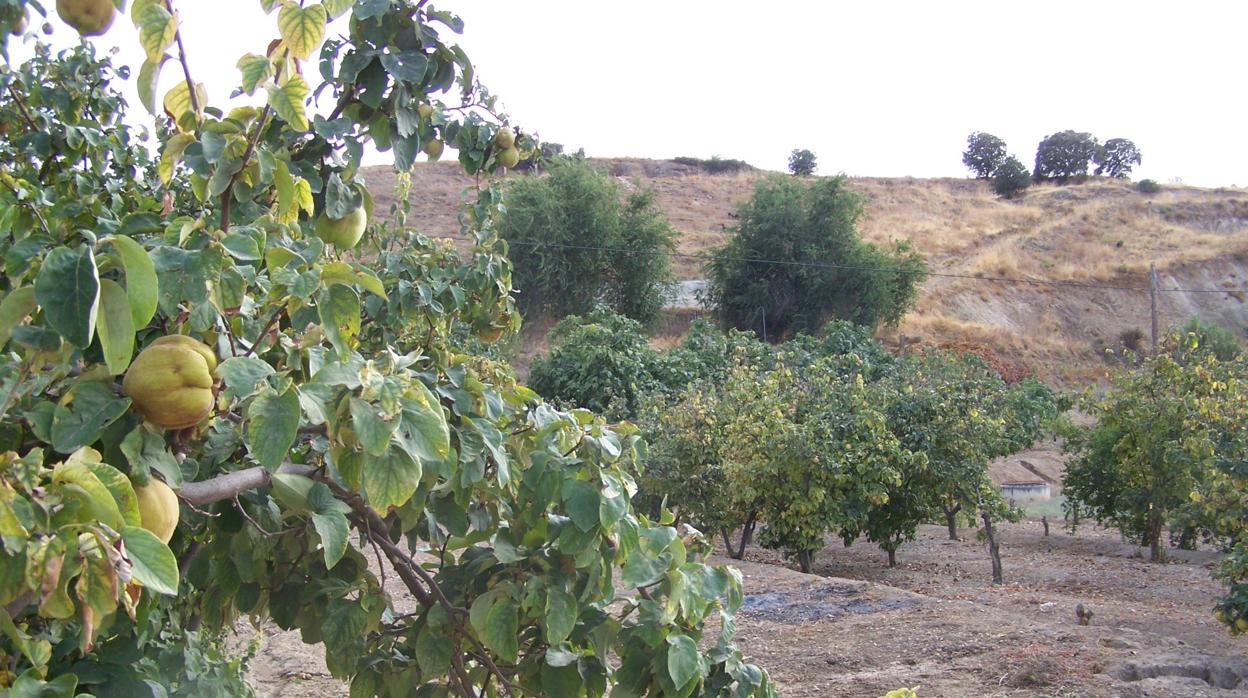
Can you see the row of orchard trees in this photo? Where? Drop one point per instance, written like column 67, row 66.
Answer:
column 217, row 319
column 810, row 438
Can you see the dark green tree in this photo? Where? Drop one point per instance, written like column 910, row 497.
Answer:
column 984, row 154
column 802, row 163
column 1011, row 179
column 575, row 242
column 1064, row 155
column 796, row 262
column 1116, row 157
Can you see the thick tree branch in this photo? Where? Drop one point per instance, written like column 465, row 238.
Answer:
column 230, row 485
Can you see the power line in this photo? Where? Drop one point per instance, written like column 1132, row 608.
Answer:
column 1061, row 283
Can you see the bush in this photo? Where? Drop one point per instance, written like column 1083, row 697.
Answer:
column 817, row 268
column 1148, row 186
column 1196, row 338
column 1011, row 179
column 574, row 244
column 802, row 163
column 1064, row 155
column 984, row 154
column 715, row 165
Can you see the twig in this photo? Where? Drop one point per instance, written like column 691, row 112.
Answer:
column 277, row 314
column 267, row 534
column 186, row 68
column 381, row 568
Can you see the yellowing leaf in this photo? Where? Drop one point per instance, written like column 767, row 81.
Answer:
column 149, row 76
column 302, row 28
column 157, row 28
column 255, row 70
column 287, row 101
column 172, row 155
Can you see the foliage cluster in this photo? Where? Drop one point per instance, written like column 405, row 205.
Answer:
column 984, row 154
column 575, row 242
column 715, row 164
column 796, row 262
column 345, row 421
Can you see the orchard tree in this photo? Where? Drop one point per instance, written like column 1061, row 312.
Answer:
column 1065, row 155
column 984, row 154
column 228, row 384
column 802, row 163
column 796, row 262
column 1116, row 157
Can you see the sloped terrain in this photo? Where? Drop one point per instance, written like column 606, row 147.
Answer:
column 1100, row 233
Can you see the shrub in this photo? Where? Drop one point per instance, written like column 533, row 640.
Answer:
column 1198, row 337
column 802, row 163
column 715, row 165
column 1064, row 155
column 1011, row 179
column 1148, row 186
column 817, row 269
column 574, row 244
column 984, row 154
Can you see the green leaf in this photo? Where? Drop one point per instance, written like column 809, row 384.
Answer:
column 390, row 480
column 243, row 375
column 14, row 309
column 581, row 500
column 495, row 618
column 152, row 563
column 146, row 451
column 560, row 616
column 302, row 28
column 287, row 102
column 142, row 284
column 425, row 433
column 149, row 78
column 433, row 652
column 157, row 29
column 80, row 421
column 373, row 427
column 682, row 659
column 255, row 70
column 272, row 426
column 339, row 309
column 333, row 529
column 122, row 490
column 68, row 288
column 115, row 326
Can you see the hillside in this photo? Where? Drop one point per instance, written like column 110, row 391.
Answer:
column 1101, row 233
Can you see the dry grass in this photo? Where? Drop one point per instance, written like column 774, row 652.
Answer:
column 1100, row 232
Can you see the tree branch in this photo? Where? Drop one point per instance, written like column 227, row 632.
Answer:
column 230, row 485
column 186, row 68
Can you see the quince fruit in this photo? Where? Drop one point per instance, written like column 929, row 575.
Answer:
column 509, row 157
column 504, row 139
column 433, row 148
column 344, row 232
column 158, row 509
column 89, row 17
column 171, row 381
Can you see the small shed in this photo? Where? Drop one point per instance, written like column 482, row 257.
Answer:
column 1029, row 491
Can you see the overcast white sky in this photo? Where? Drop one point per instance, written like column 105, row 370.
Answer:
column 873, row 88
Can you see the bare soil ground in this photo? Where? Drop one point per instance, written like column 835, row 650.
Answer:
column 858, row 628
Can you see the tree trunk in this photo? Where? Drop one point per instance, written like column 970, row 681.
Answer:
column 892, row 557
column 994, row 551
column 806, row 560
column 1045, row 520
column 951, row 520
column 747, row 534
column 728, row 544
column 1155, row 552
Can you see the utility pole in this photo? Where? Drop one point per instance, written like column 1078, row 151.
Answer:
column 1152, row 301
